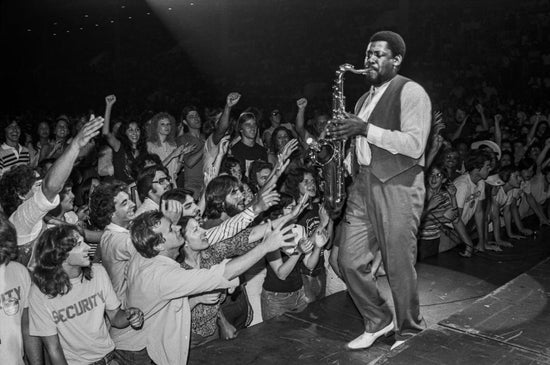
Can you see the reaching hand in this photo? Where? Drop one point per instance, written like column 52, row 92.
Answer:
column 172, row 209
column 305, row 245
column 265, row 199
column 87, row 132
column 301, row 103
column 437, row 122
column 479, row 108
column 135, row 317
column 324, row 218
column 498, row 118
column 188, row 148
column 224, row 145
column 110, row 100
column 232, row 99
column 300, row 206
column 279, row 237
column 288, row 149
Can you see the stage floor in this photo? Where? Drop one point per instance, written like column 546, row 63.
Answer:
column 489, row 309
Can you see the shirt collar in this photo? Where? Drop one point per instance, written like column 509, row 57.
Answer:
column 116, row 228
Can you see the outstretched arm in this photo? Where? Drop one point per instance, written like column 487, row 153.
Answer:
column 61, row 169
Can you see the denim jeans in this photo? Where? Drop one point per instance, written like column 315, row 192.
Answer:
column 140, row 357
column 274, row 304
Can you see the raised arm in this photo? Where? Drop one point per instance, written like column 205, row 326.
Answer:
column 58, row 174
column 300, row 120
column 110, row 100
column 481, row 111
column 231, row 100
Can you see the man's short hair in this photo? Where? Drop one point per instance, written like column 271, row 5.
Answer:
column 395, row 42
column 144, row 238
column 102, row 202
column 15, row 182
column 476, row 159
column 144, row 181
column 178, row 194
column 8, row 241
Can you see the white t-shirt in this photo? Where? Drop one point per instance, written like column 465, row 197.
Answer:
column 15, row 283
column 468, row 195
column 77, row 317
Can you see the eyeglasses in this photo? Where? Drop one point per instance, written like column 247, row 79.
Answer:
column 163, row 180
column 436, row 174
column 276, row 112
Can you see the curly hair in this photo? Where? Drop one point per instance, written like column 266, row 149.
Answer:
column 293, row 180
column 8, row 241
column 152, row 135
column 143, row 237
column 102, row 202
column 16, row 182
column 216, row 192
column 52, row 250
column 141, row 146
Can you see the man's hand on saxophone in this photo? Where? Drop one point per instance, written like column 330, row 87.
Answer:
column 350, row 126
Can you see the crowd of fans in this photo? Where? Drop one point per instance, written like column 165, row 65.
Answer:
column 135, row 236
column 125, row 240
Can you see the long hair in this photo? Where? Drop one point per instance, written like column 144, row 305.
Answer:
column 8, row 241
column 274, row 147
column 215, row 194
column 153, row 136
column 52, row 250
column 141, row 146
column 293, row 180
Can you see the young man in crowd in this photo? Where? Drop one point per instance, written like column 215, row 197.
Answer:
column 470, row 194
column 247, row 150
column 151, row 184
column 158, row 285
column 112, row 209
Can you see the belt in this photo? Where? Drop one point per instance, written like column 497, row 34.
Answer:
column 105, row 361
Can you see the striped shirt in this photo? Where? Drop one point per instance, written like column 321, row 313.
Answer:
column 10, row 156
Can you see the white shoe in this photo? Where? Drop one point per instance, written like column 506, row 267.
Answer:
column 396, row 344
column 367, row 339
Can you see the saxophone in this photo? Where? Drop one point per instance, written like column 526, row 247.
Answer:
column 329, row 154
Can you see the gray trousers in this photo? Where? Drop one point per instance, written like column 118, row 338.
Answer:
column 385, row 217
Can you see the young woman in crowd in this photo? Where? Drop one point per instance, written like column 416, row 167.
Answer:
column 127, row 143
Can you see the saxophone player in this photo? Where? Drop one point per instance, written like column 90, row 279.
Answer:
column 390, row 125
